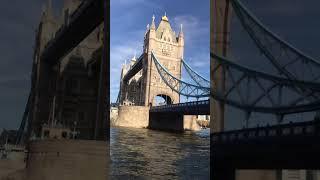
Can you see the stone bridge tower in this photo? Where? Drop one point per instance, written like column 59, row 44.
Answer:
column 168, row 48
column 71, row 84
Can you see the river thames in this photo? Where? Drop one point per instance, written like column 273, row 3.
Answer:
column 149, row 154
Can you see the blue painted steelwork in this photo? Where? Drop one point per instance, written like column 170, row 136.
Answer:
column 24, row 120
column 285, row 146
column 261, row 133
column 272, row 94
column 289, row 61
column 197, row 78
column 188, row 108
column 179, row 86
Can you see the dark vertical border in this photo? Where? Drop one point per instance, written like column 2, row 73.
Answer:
column 106, row 64
column 106, row 67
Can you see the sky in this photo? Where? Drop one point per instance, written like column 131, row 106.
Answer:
column 128, row 24
column 19, row 20
column 294, row 20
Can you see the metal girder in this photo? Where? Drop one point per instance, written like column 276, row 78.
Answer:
column 289, row 61
column 197, row 78
column 134, row 69
column 82, row 22
column 179, row 86
column 24, row 120
column 271, row 94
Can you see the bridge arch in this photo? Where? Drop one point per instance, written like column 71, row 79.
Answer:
column 161, row 99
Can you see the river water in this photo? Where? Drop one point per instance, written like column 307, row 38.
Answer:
column 149, row 154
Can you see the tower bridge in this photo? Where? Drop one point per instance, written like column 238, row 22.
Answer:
column 157, row 72
column 65, row 115
column 282, row 145
column 67, row 58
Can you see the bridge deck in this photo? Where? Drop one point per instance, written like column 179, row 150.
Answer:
column 134, row 70
column 188, row 108
column 289, row 146
column 82, row 22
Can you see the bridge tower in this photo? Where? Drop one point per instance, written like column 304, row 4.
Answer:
column 168, row 48
column 41, row 72
column 73, row 81
column 219, row 43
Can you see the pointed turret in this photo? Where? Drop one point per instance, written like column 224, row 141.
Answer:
column 181, row 31
column 134, row 59
column 181, row 37
column 49, row 11
column 165, row 18
column 147, row 30
column 70, row 5
column 48, row 25
column 153, row 24
column 152, row 32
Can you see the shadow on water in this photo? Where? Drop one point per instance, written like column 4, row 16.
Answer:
column 149, row 154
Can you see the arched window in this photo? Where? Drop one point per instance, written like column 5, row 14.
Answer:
column 165, row 39
column 162, row 99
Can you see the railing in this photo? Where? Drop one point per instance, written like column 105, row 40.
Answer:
column 284, row 130
column 188, row 106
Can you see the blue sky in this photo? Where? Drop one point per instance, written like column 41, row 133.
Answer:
column 129, row 19
column 294, row 20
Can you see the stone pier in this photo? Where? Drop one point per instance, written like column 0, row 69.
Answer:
column 133, row 116
column 173, row 122
column 139, row 117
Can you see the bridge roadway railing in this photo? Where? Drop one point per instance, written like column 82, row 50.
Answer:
column 188, row 108
column 287, row 146
column 300, row 129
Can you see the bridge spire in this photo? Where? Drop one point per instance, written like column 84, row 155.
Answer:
column 49, row 8
column 165, row 17
column 147, row 29
column 181, row 31
column 181, row 38
column 153, row 25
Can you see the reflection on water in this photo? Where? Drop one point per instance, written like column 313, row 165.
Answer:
column 149, row 154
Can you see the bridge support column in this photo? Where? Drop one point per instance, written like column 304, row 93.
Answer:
column 219, row 36
column 190, row 123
